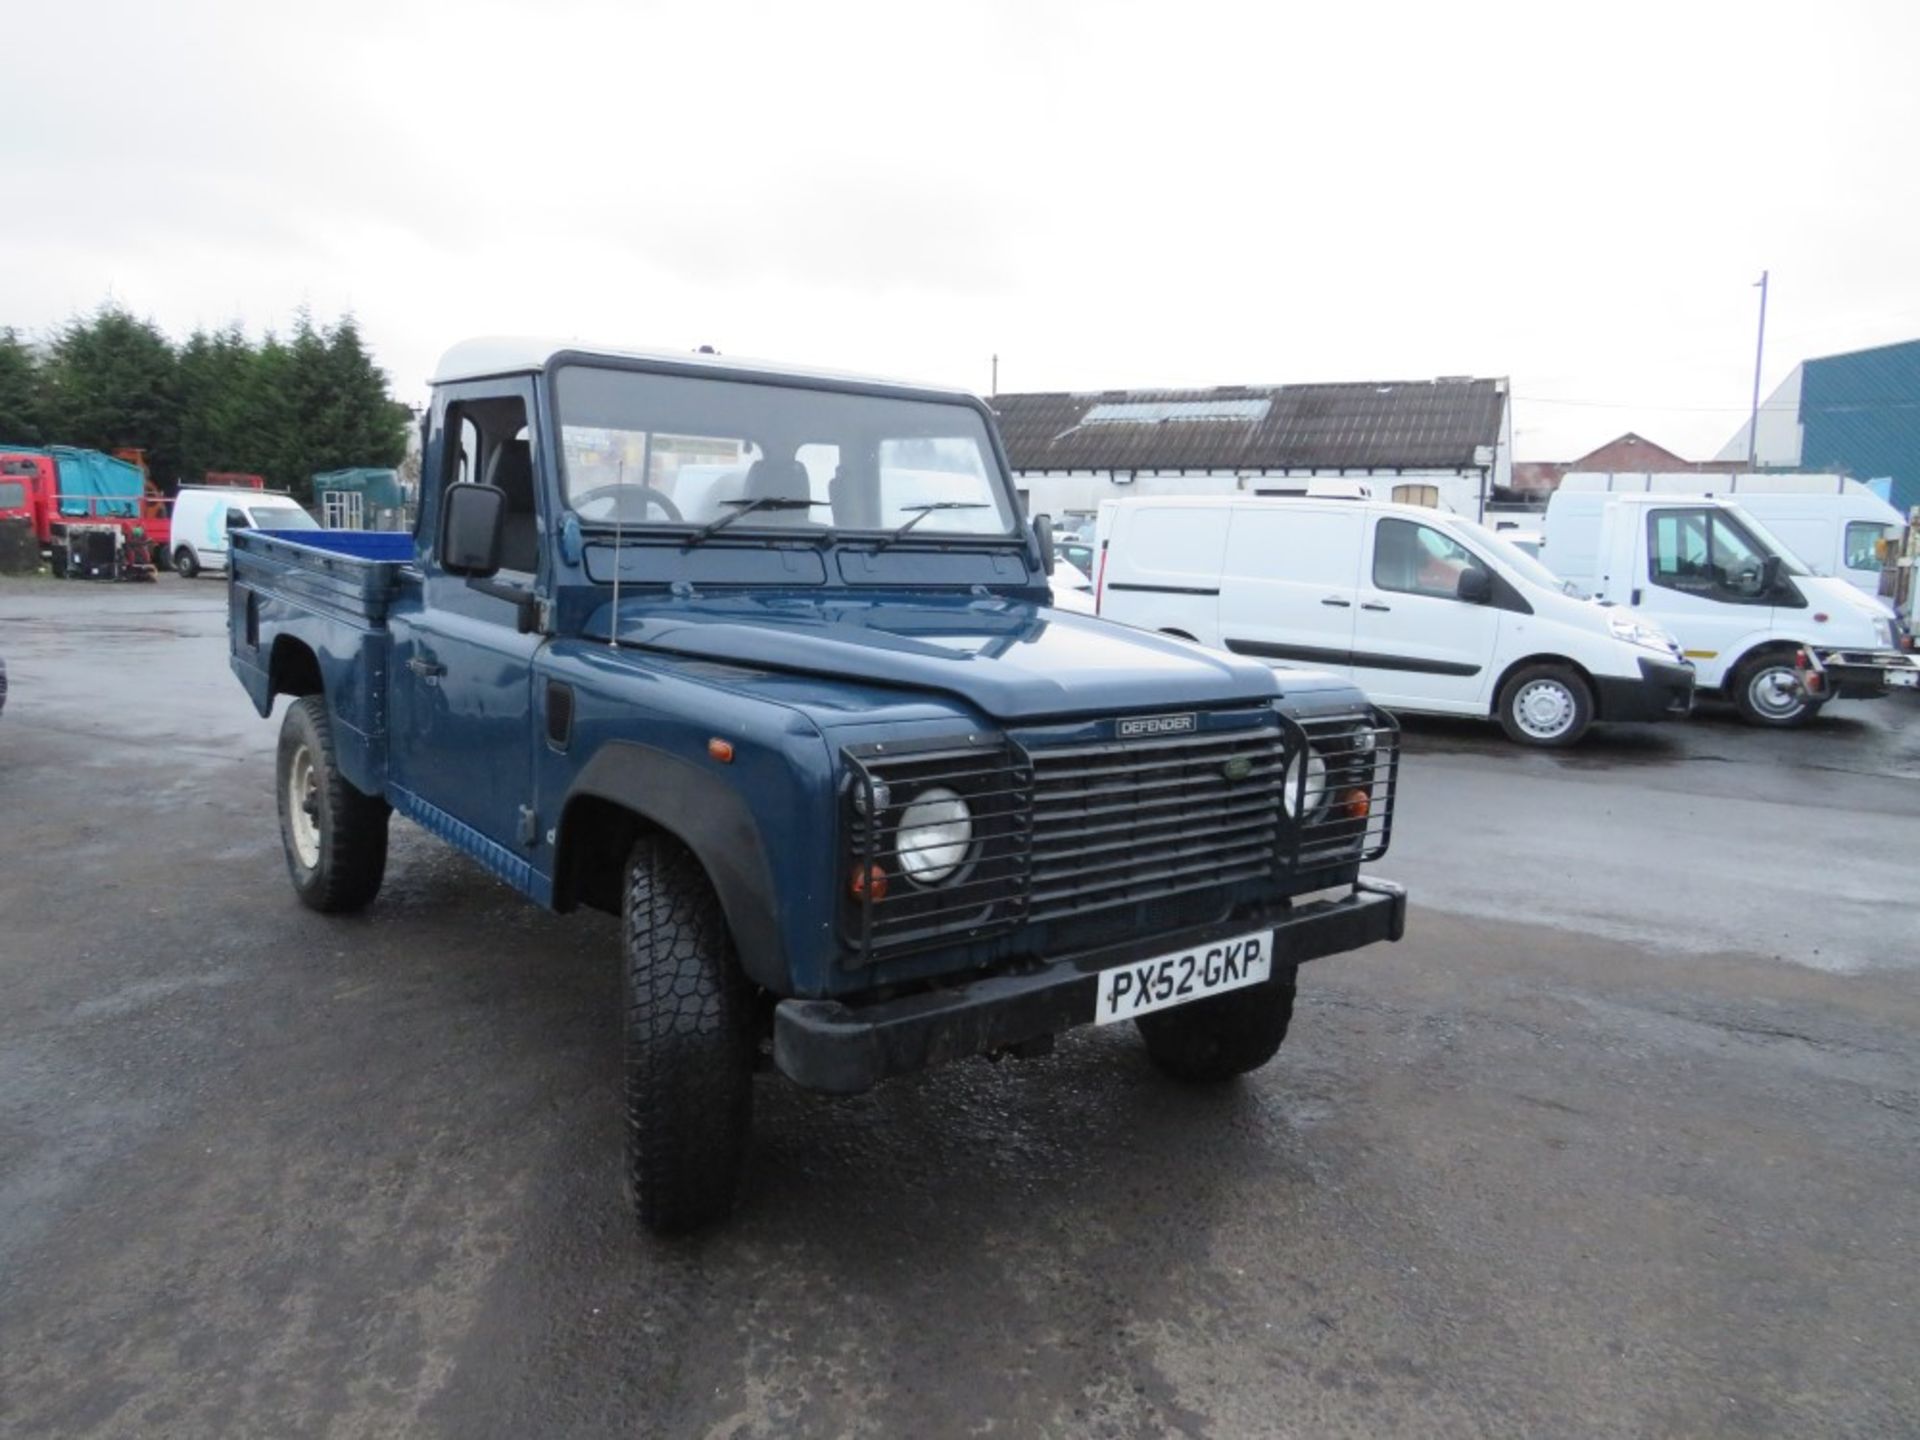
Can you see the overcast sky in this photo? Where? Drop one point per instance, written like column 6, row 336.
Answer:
column 1576, row 196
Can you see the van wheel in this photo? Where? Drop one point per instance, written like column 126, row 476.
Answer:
column 689, row 1042
column 1546, row 705
column 186, row 562
column 1768, row 691
column 1216, row 1039
column 335, row 836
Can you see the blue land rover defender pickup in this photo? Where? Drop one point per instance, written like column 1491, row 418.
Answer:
column 763, row 661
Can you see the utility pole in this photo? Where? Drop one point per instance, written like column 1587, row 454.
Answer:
column 996, row 376
column 1759, row 353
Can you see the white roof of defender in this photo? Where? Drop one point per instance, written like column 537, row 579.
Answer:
column 519, row 355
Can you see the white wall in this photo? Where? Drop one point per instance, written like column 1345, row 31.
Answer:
column 1061, row 493
column 1781, row 433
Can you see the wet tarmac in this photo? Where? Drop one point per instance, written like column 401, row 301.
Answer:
column 1624, row 1139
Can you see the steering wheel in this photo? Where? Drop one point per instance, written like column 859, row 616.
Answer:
column 615, row 496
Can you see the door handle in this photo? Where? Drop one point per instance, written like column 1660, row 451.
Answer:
column 1371, row 606
column 1336, row 600
column 427, row 668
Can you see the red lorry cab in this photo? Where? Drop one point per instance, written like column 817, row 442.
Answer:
column 28, row 484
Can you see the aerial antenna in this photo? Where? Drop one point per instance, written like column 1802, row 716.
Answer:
column 613, row 626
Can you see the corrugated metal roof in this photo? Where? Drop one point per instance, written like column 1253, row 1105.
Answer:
column 1391, row 425
column 1860, row 414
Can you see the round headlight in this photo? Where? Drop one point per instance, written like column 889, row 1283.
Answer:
column 1313, row 796
column 936, row 832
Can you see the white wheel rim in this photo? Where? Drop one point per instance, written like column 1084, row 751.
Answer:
column 303, row 807
column 1775, row 691
column 1544, row 709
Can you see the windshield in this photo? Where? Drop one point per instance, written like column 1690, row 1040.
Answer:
column 1514, row 558
column 281, row 517
column 647, row 450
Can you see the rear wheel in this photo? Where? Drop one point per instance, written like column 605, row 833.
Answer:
column 1216, row 1039
column 689, row 1042
column 335, row 836
column 1546, row 705
column 1769, row 691
column 186, row 562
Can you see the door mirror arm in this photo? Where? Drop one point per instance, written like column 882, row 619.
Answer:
column 526, row 605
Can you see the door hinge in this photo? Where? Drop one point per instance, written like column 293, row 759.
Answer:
column 529, row 826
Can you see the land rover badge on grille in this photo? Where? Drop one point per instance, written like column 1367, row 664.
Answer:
column 1143, row 725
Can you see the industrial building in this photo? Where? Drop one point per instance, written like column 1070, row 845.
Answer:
column 1446, row 443
column 1856, row 414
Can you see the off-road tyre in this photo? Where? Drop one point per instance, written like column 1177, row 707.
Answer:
column 335, row 836
column 185, row 563
column 689, row 1042
column 1213, row 1040
column 1757, row 689
column 1564, row 722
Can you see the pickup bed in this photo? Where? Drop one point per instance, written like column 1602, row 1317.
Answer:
column 764, row 662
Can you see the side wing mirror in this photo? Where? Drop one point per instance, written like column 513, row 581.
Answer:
column 1043, row 535
column 1770, row 574
column 1474, row 587
column 472, row 518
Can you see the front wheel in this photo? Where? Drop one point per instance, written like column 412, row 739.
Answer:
column 1768, row 691
column 1212, row 1040
column 186, row 562
column 335, row 836
column 689, row 1042
column 1546, row 705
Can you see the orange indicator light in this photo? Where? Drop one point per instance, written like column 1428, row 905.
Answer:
column 721, row 750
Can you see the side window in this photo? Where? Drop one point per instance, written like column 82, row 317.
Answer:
column 1701, row 552
column 489, row 444
column 237, row 519
column 1416, row 559
column 1863, row 539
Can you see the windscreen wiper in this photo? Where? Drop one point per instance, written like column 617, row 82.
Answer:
column 743, row 508
column 926, row 510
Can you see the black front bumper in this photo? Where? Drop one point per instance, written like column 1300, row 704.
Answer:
column 1664, row 691
column 844, row 1047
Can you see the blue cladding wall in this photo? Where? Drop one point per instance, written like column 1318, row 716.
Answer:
column 1861, row 414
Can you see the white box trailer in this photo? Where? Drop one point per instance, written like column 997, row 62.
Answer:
column 1832, row 525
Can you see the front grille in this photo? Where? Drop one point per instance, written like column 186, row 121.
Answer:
column 1117, row 835
column 1118, row 822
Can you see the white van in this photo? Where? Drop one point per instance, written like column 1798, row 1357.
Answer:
column 203, row 514
column 1744, row 608
column 1427, row 611
column 1830, row 524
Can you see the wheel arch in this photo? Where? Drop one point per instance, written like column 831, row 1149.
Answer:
column 628, row 789
column 1544, row 657
column 1767, row 645
column 293, row 669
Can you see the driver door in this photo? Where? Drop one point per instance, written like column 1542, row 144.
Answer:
column 1705, row 583
column 462, row 671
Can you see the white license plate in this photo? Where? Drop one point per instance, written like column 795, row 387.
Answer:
column 1905, row 677
column 1159, row 984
